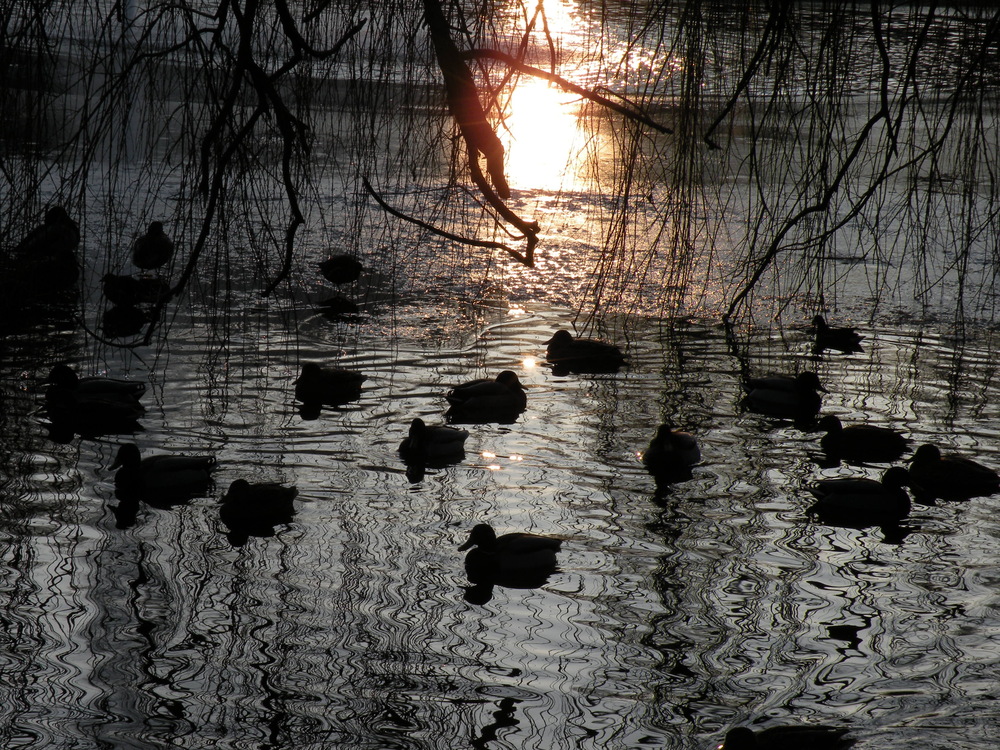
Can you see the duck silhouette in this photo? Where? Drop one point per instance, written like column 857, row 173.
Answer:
column 341, row 269
column 671, row 454
column 803, row 737
column 327, row 386
column 582, row 355
column 785, row 396
column 950, row 477
column 153, row 249
column 517, row 554
column 483, row 400
column 846, row 340
column 861, row 502
column 255, row 509
column 860, row 442
column 161, row 475
column 430, row 445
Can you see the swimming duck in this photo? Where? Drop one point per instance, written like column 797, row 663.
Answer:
column 846, row 340
column 803, row 737
column 255, row 509
column 163, row 474
column 129, row 291
column 518, row 553
column 861, row 501
column 485, row 400
column 330, row 386
column 341, row 269
column 950, row 477
column 570, row 354
column 57, row 236
column 45, row 259
column 860, row 442
column 91, row 415
column 152, row 249
column 671, row 453
column 785, row 396
column 64, row 378
column 433, row 444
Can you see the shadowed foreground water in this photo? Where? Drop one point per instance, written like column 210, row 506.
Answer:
column 674, row 615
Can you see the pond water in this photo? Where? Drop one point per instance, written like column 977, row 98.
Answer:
column 676, row 611
column 673, row 615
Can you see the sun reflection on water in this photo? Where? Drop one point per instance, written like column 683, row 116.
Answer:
column 542, row 137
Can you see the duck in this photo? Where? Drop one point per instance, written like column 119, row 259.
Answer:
column 785, row 396
column 153, row 249
column 341, row 269
column 433, row 444
column 56, row 236
column 45, row 259
column 671, row 452
column 129, row 291
column 861, row 501
column 91, row 415
column 63, row 378
column 255, row 509
column 846, row 340
column 803, row 737
column 950, row 477
column 161, row 474
column 514, row 554
column 568, row 354
column 330, row 386
column 337, row 307
column 485, row 400
column 861, row 442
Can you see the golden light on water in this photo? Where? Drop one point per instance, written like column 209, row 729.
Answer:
column 542, row 137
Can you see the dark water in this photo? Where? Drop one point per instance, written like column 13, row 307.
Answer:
column 673, row 616
column 676, row 612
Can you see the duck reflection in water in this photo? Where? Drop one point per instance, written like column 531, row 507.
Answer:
column 517, row 560
column 256, row 509
column 803, row 737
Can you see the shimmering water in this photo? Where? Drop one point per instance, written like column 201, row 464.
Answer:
column 674, row 615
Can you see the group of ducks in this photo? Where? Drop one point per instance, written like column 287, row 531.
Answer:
column 93, row 406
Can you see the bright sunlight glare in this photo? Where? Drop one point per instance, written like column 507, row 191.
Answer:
column 542, row 136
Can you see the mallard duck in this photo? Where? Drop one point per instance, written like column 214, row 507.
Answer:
column 129, row 291
column 862, row 501
column 670, row 449
column 582, row 355
column 785, row 396
column 255, row 509
column 860, row 442
column 846, row 340
column 803, row 737
column 64, row 378
column 510, row 554
column 153, row 249
column 485, row 400
column 161, row 474
column 58, row 235
column 426, row 444
column 91, row 414
column 950, row 477
column 330, row 386
column 341, row 269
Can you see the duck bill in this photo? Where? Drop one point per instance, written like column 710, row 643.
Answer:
column 466, row 546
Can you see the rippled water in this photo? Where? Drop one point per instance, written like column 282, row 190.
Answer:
column 673, row 616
